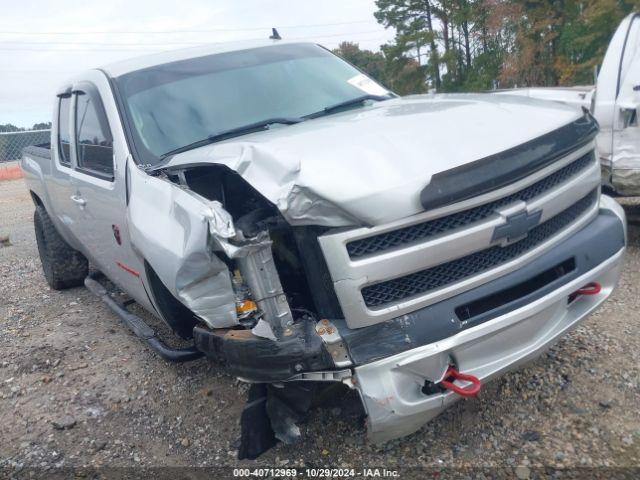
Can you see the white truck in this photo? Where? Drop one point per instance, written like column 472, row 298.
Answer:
column 304, row 226
column 614, row 101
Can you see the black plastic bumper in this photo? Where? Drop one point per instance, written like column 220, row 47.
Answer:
column 264, row 360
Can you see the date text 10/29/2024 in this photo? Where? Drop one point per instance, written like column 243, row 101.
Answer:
column 316, row 472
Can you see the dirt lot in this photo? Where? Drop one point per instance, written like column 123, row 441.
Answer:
column 78, row 389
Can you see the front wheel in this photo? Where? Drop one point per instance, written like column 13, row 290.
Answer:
column 63, row 266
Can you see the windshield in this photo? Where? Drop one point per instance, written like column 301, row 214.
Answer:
column 173, row 105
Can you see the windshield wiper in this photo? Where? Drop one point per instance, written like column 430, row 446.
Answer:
column 349, row 103
column 234, row 132
column 254, row 127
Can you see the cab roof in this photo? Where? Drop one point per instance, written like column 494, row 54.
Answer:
column 138, row 63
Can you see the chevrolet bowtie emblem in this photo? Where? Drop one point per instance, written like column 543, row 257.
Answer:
column 516, row 228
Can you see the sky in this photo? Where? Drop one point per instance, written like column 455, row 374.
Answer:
column 44, row 42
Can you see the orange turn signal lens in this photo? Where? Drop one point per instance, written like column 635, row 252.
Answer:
column 246, row 306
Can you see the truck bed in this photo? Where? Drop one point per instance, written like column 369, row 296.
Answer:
column 42, row 150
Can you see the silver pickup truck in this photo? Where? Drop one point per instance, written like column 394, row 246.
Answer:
column 302, row 225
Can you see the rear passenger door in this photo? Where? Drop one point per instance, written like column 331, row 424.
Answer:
column 60, row 190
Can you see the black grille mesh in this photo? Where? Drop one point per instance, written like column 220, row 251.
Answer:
column 422, row 231
column 447, row 273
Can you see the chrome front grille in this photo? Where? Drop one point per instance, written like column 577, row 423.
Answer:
column 450, row 272
column 389, row 270
column 414, row 233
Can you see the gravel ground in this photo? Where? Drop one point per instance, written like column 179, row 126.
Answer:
column 78, row 389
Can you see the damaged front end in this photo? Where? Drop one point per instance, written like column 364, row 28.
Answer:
column 473, row 285
column 226, row 256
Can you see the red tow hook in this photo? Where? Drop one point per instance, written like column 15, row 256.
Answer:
column 454, row 374
column 592, row 288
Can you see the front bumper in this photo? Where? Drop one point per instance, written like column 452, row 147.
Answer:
column 391, row 388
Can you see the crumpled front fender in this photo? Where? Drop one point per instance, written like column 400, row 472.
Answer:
column 174, row 229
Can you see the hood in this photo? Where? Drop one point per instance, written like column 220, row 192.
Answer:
column 368, row 166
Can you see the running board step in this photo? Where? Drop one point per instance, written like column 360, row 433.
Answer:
column 139, row 327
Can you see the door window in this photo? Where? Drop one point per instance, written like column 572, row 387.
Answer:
column 94, row 144
column 64, row 132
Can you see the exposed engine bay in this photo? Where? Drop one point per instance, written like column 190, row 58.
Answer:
column 263, row 253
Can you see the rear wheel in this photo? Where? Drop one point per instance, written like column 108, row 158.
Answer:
column 63, row 266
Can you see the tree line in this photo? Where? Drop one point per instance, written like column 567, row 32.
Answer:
column 473, row 45
column 9, row 127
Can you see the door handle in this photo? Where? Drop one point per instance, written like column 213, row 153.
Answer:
column 78, row 200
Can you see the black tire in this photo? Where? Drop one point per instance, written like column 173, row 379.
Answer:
column 63, row 266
